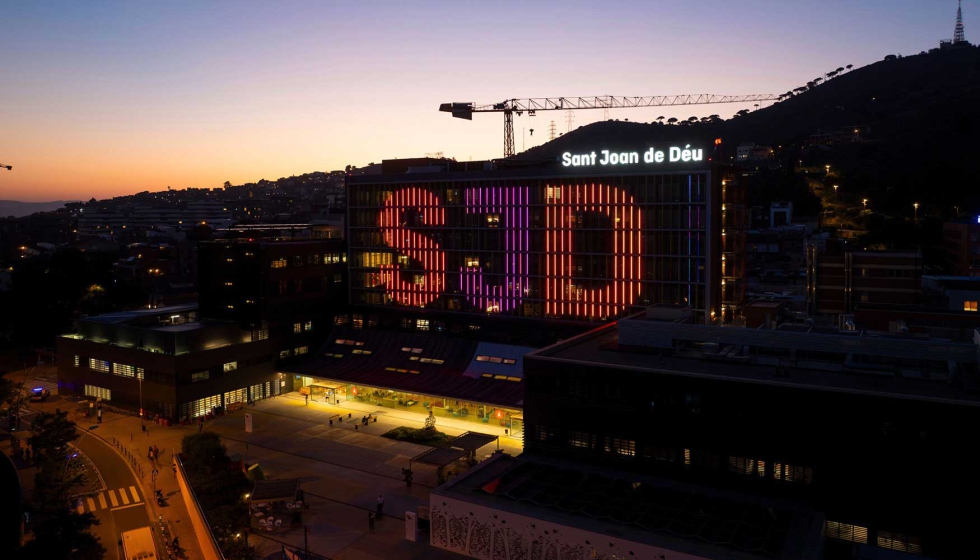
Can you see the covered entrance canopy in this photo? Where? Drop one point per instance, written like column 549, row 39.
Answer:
column 274, row 491
column 327, row 385
column 438, row 456
column 471, row 441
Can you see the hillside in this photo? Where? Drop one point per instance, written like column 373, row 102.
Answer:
column 922, row 110
column 17, row 208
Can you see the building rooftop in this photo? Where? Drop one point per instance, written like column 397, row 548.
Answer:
column 687, row 518
column 726, row 354
column 136, row 314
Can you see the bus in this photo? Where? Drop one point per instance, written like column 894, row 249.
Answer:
column 138, row 544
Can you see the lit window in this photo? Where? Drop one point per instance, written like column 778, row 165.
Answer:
column 229, row 259
column 792, row 473
column 581, row 439
column 360, row 351
column 741, row 465
column 98, row 392
column 76, row 361
column 624, row 447
column 898, row 541
column 970, row 306
column 846, row 532
column 302, row 350
column 472, row 262
column 229, row 306
column 279, row 263
column 229, row 284
column 297, row 327
column 124, row 370
column 285, row 354
column 308, row 326
column 338, row 278
column 200, row 376
column 99, row 365
column 422, row 324
column 230, row 366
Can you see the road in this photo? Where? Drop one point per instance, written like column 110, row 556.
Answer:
column 122, row 506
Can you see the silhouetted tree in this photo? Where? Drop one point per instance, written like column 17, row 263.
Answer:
column 672, row 120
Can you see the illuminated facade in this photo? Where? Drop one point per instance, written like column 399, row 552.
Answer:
column 545, row 244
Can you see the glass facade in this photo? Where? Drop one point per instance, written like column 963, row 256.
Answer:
column 573, row 248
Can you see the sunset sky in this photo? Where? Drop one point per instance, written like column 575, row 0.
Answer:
column 102, row 99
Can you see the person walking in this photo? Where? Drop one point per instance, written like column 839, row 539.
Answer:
column 381, row 506
column 307, row 397
column 371, row 521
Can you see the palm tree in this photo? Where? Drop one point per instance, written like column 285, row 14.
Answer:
column 660, row 120
column 849, row 66
column 671, row 120
column 756, row 106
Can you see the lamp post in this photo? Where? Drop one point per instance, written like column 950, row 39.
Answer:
column 142, row 424
column 915, row 205
column 835, row 193
column 865, row 202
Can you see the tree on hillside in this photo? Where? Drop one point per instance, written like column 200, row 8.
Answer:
column 849, row 66
column 672, row 120
column 660, row 119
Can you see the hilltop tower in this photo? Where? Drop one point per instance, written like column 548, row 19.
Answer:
column 958, row 36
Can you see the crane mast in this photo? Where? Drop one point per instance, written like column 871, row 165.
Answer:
column 531, row 105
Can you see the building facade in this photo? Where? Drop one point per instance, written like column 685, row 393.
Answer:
column 834, row 422
column 961, row 242
column 541, row 243
column 166, row 362
column 838, row 279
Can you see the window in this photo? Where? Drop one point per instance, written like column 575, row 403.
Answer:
column 472, row 262
column 200, row 376
column 358, row 321
column 581, row 439
column 337, row 278
column 285, row 354
column 348, row 342
column 260, row 334
column 340, row 320
column 230, row 366
column 302, row 350
column 229, row 284
column 474, row 327
column 308, row 326
column 864, row 297
column 624, row 447
column 99, row 392
column 792, row 473
column 279, row 263
column 412, row 350
column 297, row 327
column 335, row 258
column 76, row 361
column 741, row 465
column 898, row 541
column 361, row 352
column 846, row 532
column 542, row 433
column 124, row 370
column 970, row 306
column 422, row 324
column 99, row 365
column 431, row 361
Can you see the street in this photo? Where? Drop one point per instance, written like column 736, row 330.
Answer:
column 122, row 506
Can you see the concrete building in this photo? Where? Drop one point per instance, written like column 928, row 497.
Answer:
column 961, row 242
column 838, row 278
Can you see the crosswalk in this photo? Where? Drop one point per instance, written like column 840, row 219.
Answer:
column 110, row 499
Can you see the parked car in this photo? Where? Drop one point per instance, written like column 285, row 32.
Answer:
column 39, row 394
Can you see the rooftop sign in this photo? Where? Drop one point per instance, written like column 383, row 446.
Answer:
column 651, row 156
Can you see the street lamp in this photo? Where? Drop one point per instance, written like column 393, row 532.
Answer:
column 915, row 205
column 835, row 193
column 865, row 202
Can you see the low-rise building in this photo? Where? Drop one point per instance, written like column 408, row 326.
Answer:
column 961, row 242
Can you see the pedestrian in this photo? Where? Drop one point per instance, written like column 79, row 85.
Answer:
column 176, row 543
column 371, row 521
column 381, row 506
column 307, row 400
column 156, row 452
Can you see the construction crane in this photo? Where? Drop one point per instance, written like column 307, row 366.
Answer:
column 534, row 104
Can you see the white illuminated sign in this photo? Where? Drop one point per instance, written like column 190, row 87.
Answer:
column 653, row 155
